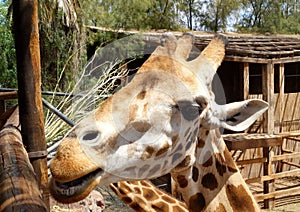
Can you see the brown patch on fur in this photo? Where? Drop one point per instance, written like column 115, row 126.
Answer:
column 168, row 199
column 197, row 202
column 155, row 169
column 175, row 157
column 174, row 139
column 112, row 142
column 220, row 164
column 141, row 126
column 163, row 149
column 229, row 161
column 127, row 200
column 201, row 143
column 220, row 208
column 209, row 161
column 177, row 208
column 141, row 95
column 138, row 204
column 131, row 169
column 206, row 132
column 125, row 189
column 195, row 174
column 164, row 63
column 149, row 194
column 186, row 162
column 188, row 145
column 239, row 198
column 147, row 153
column 160, row 206
column 143, row 169
column 137, row 190
column 179, row 148
column 182, row 181
column 209, row 181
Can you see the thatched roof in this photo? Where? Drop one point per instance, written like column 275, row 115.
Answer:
column 252, row 48
column 258, row 48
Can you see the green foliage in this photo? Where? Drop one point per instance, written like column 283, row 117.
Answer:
column 62, row 44
column 214, row 16
column 8, row 74
column 132, row 14
column 270, row 16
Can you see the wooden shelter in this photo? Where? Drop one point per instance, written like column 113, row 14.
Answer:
column 265, row 67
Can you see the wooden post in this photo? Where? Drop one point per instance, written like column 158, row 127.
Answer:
column 19, row 190
column 246, row 80
column 268, row 95
column 25, row 17
column 281, row 93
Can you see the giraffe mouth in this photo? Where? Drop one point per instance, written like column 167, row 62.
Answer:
column 75, row 190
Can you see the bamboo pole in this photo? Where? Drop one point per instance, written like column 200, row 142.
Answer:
column 19, row 190
column 25, row 17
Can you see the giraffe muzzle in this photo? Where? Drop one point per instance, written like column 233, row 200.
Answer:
column 75, row 190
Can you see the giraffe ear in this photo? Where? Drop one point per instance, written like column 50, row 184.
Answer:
column 240, row 115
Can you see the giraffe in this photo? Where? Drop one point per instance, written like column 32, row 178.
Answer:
column 164, row 121
column 144, row 196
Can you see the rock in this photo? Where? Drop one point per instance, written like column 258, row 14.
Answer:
column 93, row 202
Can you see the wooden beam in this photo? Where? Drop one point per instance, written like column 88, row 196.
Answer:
column 247, row 59
column 19, row 190
column 8, row 95
column 25, row 19
column 278, row 194
column 294, row 172
column 246, row 80
column 285, row 156
column 251, row 161
column 247, row 141
column 268, row 95
column 281, row 93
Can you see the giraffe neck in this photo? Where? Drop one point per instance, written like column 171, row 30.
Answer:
column 144, row 196
column 213, row 182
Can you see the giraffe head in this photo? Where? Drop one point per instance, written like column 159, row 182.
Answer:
column 150, row 126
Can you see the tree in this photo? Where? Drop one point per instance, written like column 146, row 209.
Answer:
column 189, row 10
column 62, row 37
column 8, row 70
column 214, row 14
column 272, row 16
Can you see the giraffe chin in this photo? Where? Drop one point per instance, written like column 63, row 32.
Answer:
column 75, row 190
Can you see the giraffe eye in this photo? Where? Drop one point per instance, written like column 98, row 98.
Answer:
column 189, row 110
column 90, row 137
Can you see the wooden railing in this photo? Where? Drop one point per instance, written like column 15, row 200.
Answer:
column 242, row 142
